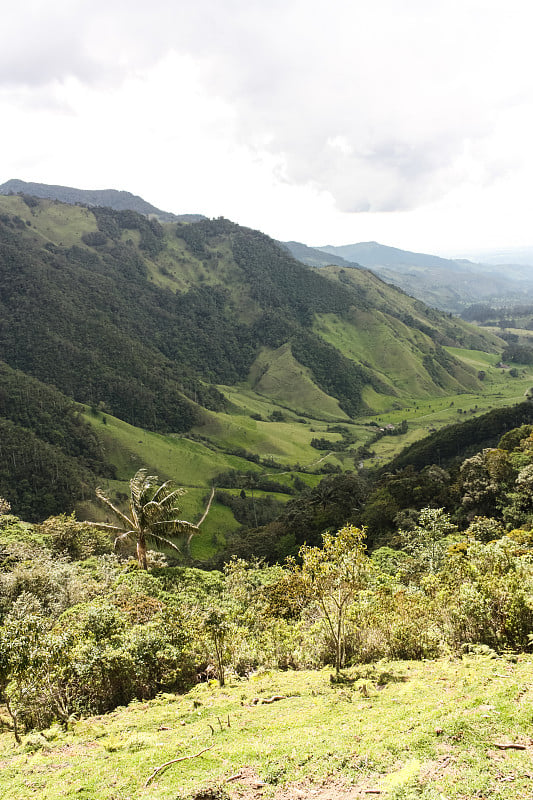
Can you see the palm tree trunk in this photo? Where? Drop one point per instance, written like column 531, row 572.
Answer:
column 141, row 551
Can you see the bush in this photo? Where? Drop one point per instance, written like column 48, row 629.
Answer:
column 94, row 238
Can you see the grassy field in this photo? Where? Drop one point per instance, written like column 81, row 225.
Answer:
column 194, row 461
column 190, row 464
column 52, row 221
column 424, row 415
column 194, row 464
column 438, row 730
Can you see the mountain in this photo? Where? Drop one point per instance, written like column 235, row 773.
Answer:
column 208, row 330
column 448, row 284
column 198, row 304
column 110, row 198
column 373, row 254
column 315, row 257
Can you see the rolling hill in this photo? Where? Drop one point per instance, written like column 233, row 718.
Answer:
column 200, row 348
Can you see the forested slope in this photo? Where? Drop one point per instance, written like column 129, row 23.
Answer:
column 49, row 457
column 148, row 322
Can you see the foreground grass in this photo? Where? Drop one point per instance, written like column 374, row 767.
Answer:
column 405, row 729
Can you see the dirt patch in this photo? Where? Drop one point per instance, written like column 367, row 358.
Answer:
column 247, row 786
column 333, row 790
column 444, row 766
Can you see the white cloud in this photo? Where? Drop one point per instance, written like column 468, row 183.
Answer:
column 375, row 106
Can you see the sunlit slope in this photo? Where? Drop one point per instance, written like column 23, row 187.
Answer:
column 396, row 303
column 406, row 360
column 220, row 304
column 194, row 462
column 277, row 375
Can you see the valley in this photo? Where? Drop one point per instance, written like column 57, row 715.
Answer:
column 367, row 464
column 198, row 348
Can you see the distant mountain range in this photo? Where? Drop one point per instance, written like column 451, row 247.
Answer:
column 110, row 198
column 373, row 254
column 448, row 284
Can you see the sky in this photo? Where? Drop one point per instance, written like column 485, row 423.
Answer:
column 408, row 122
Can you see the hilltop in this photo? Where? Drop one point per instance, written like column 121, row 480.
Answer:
column 110, row 198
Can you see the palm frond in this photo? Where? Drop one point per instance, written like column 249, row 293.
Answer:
column 181, row 525
column 178, row 492
column 125, row 535
column 163, row 540
column 103, row 497
column 104, row 526
column 139, row 485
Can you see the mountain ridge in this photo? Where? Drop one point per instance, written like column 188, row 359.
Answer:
column 109, row 198
column 220, row 274
column 448, row 284
column 375, row 254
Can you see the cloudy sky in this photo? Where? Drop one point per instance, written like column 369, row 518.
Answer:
column 409, row 122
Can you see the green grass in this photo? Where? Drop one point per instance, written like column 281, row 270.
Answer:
column 193, row 464
column 53, row 222
column 406, row 729
column 277, row 375
column 286, row 442
column 424, row 415
column 189, row 463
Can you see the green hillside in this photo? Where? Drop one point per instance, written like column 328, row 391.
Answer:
column 318, row 742
column 212, row 331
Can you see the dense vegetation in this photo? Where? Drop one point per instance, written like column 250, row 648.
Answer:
column 49, row 457
column 83, row 630
column 105, row 320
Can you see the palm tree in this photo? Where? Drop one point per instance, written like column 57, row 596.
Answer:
column 153, row 515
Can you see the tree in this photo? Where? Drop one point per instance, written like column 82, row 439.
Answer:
column 427, row 541
column 484, row 479
column 153, row 515
column 216, row 625
column 20, row 638
column 333, row 575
